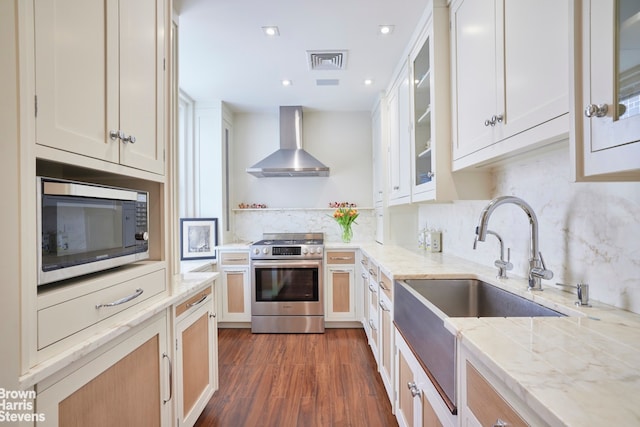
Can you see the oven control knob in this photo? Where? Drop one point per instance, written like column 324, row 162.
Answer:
column 319, row 250
column 256, row 251
column 305, row 251
column 265, row 250
column 142, row 235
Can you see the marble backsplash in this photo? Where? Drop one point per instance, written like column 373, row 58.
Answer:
column 250, row 224
column 588, row 232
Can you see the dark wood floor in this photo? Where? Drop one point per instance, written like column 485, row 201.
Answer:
column 292, row 380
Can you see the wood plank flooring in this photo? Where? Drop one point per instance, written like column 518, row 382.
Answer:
column 290, row 380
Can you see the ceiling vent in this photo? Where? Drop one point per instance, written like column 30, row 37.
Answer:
column 330, row 60
column 327, row 82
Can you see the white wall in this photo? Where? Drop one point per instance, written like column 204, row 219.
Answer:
column 589, row 232
column 341, row 141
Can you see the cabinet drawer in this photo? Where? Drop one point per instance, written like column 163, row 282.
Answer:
column 485, row 402
column 341, row 257
column 386, row 284
column 234, row 258
column 194, row 302
column 64, row 319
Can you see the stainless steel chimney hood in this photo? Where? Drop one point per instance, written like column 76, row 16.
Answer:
column 290, row 160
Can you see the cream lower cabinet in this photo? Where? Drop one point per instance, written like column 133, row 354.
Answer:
column 235, row 289
column 373, row 300
column 340, row 297
column 124, row 384
column 386, row 334
column 418, row 403
column 196, row 367
column 364, row 276
column 484, row 400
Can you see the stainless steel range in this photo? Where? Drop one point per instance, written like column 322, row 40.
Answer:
column 287, row 284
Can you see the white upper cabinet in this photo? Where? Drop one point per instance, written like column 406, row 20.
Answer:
column 99, row 79
column 606, row 111
column 510, row 90
column 398, row 113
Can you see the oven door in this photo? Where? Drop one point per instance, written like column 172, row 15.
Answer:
column 286, row 288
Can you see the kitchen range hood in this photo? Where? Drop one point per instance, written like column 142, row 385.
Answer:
column 290, row 160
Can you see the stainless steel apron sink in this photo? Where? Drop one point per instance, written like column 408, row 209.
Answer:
column 424, row 330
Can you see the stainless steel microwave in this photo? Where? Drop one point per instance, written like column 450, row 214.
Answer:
column 85, row 228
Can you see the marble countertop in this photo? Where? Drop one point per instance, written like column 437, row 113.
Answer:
column 580, row 370
column 182, row 286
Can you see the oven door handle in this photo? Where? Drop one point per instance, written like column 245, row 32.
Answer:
column 287, row 263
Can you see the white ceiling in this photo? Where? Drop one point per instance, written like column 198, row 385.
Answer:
column 224, row 55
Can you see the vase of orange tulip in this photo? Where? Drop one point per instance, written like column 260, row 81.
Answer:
column 345, row 216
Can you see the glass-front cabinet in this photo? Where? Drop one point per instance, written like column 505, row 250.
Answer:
column 607, row 108
column 431, row 177
column 422, row 116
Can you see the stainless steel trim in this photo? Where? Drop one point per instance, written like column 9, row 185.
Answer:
column 54, row 188
column 120, row 301
column 287, row 324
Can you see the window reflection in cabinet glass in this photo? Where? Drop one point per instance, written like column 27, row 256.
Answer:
column 628, row 58
column 422, row 115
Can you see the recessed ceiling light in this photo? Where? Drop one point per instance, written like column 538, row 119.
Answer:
column 368, row 82
column 286, row 82
column 385, row 30
column 271, row 31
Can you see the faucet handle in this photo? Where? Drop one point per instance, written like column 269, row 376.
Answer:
column 542, row 273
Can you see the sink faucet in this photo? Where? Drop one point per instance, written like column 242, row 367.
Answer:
column 502, row 265
column 537, row 268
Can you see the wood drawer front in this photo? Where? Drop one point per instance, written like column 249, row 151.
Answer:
column 62, row 320
column 234, row 258
column 341, row 257
column 194, row 302
column 485, row 402
column 386, row 284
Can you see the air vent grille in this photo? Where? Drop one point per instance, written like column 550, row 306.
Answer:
column 327, row 82
column 327, row 60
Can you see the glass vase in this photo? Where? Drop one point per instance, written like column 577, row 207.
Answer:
column 347, row 233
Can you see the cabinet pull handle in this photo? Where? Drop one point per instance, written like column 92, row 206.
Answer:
column 165, row 401
column 130, row 138
column 234, row 272
column 500, row 423
column 413, row 388
column 200, row 301
column 340, row 258
column 234, row 259
column 381, row 283
column 116, row 134
column 212, row 315
column 128, row 298
column 593, row 110
column 340, row 271
column 372, row 289
column 373, row 328
column 383, row 307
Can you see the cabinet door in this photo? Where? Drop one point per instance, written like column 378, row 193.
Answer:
column 341, row 293
column 386, row 345
column 399, row 139
column 196, row 335
column 76, row 76
column 610, row 74
column 142, row 83
column 535, row 86
column 236, row 295
column 126, row 385
column 476, row 74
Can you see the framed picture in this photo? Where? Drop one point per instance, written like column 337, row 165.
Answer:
column 198, row 237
